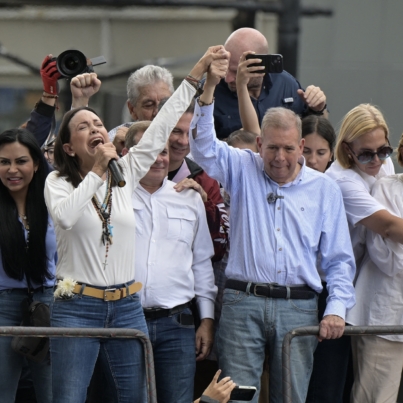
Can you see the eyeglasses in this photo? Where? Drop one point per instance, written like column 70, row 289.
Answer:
column 367, row 156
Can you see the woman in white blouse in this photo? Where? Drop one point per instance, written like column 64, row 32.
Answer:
column 95, row 229
column 379, row 290
column 362, row 158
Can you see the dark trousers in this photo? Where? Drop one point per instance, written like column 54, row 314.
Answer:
column 331, row 361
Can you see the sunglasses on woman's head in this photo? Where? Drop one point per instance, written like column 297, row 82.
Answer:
column 367, row 156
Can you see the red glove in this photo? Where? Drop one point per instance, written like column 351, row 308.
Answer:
column 50, row 75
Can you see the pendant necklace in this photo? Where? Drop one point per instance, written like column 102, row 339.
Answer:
column 104, row 211
column 25, row 223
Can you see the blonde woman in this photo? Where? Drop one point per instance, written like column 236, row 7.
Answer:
column 362, row 157
column 378, row 360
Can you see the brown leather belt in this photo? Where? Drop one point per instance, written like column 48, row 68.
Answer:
column 107, row 294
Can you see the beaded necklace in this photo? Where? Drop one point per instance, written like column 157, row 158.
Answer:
column 104, row 211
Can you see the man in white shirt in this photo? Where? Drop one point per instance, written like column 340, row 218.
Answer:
column 173, row 261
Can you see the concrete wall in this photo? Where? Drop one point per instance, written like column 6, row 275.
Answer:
column 126, row 37
column 356, row 57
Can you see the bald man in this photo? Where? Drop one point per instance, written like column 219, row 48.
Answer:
column 272, row 90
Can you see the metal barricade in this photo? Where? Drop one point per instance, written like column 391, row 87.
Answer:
column 314, row 331
column 93, row 332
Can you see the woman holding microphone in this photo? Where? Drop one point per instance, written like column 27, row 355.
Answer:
column 95, row 229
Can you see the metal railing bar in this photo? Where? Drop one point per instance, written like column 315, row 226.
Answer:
column 93, row 332
column 314, row 331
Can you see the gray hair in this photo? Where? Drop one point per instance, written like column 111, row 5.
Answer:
column 281, row 118
column 147, row 75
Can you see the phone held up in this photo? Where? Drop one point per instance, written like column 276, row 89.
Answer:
column 243, row 393
column 272, row 63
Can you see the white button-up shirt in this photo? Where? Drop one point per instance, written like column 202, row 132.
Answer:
column 356, row 188
column 379, row 286
column 173, row 249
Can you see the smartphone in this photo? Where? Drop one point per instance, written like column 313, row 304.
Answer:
column 272, row 63
column 244, row 393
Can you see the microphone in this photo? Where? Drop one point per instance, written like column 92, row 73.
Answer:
column 271, row 198
column 116, row 174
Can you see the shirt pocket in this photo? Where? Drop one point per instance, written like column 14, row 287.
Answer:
column 181, row 224
column 138, row 208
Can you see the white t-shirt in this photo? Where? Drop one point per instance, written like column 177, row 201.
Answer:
column 356, row 188
column 81, row 252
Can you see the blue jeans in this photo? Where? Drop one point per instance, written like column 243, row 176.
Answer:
column 12, row 362
column 73, row 359
column 248, row 324
column 174, row 358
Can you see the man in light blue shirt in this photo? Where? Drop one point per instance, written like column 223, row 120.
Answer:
column 284, row 215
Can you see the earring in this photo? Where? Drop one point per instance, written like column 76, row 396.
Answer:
column 35, row 171
column 72, row 155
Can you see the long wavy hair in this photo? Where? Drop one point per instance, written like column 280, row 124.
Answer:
column 16, row 258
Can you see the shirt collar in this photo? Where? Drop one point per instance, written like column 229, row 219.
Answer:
column 300, row 176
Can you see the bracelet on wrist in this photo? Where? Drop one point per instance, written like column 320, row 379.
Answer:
column 197, row 84
column 45, row 95
column 317, row 113
column 202, row 103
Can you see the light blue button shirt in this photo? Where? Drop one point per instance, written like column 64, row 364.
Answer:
column 279, row 242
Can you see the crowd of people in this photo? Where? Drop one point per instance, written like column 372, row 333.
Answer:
column 243, row 217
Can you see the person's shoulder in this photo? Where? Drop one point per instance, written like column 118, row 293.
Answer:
column 54, row 176
column 320, row 177
column 389, row 181
column 55, row 181
column 341, row 174
column 186, row 199
column 326, row 187
column 282, row 77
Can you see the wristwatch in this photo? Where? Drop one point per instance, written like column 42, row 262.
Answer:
column 206, row 399
column 317, row 113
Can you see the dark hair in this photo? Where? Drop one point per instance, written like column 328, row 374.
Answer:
column 34, row 263
column 66, row 165
column 320, row 125
column 241, row 136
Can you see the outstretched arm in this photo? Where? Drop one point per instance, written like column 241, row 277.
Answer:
column 249, row 119
column 40, row 121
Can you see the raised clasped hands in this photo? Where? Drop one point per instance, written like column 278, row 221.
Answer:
column 213, row 53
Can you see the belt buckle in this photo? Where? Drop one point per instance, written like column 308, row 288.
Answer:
column 259, row 285
column 110, row 290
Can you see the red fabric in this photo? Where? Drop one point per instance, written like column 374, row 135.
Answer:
column 217, row 217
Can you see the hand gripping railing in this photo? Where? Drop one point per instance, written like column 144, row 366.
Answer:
column 314, row 331
column 93, row 332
